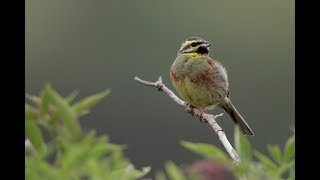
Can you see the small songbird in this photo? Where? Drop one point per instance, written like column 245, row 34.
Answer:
column 203, row 82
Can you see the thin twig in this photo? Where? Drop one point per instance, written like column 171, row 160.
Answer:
column 207, row 117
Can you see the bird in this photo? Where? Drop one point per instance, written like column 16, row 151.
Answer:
column 203, row 82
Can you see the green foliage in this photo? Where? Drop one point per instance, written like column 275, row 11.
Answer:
column 34, row 134
column 70, row 153
column 282, row 164
column 276, row 165
column 174, row 172
column 160, row 175
column 242, row 146
column 289, row 149
column 275, row 152
column 206, row 151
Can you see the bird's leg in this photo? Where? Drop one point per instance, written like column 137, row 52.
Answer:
column 201, row 113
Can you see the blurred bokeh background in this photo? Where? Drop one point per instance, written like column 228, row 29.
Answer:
column 93, row 45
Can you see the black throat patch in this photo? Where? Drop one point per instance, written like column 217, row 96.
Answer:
column 202, row 50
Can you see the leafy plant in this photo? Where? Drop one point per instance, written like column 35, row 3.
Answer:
column 70, row 153
column 278, row 164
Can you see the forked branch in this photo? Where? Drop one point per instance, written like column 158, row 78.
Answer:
column 211, row 119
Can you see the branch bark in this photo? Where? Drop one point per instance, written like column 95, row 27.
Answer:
column 211, row 119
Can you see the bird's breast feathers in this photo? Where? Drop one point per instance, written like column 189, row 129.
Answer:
column 200, row 84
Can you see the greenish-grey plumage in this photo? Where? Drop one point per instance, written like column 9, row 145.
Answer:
column 203, row 82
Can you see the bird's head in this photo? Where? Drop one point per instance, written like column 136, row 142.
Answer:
column 195, row 46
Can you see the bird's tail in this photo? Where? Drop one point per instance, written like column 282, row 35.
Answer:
column 237, row 118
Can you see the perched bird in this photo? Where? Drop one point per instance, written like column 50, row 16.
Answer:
column 203, row 82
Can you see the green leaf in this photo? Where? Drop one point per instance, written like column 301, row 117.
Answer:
column 45, row 101
column 66, row 113
column 97, row 170
column 243, row 169
column 34, row 134
column 82, row 106
column 136, row 174
column 145, row 170
column 71, row 97
column 275, row 152
column 242, row 146
column 31, row 110
column 118, row 174
column 266, row 161
column 32, row 167
column 173, row 171
column 34, row 99
column 292, row 172
column 285, row 167
column 160, row 176
column 207, row 151
column 289, row 149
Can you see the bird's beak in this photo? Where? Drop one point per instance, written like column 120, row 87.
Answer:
column 205, row 44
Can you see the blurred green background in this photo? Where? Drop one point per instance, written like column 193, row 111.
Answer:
column 94, row 45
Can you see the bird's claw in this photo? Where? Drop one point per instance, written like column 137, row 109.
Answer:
column 189, row 109
column 202, row 120
column 198, row 113
column 201, row 117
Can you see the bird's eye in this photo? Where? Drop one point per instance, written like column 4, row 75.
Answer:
column 194, row 44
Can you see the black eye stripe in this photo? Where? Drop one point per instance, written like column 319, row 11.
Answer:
column 194, row 44
column 191, row 47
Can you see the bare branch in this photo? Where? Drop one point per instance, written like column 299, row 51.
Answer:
column 211, row 119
